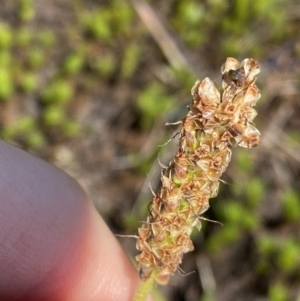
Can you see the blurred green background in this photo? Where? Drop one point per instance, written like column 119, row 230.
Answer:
column 88, row 85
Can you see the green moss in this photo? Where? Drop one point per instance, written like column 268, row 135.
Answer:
column 233, row 212
column 266, row 245
column 35, row 140
column 251, row 220
column 104, row 65
column 53, row 116
column 36, row 58
column 97, row 24
column 188, row 20
column 28, row 82
column 6, row 86
column 25, row 124
column 288, row 256
column 244, row 160
column 22, row 37
column 71, row 128
column 184, row 78
column 262, row 266
column 5, row 36
column 222, row 238
column 255, row 192
column 153, row 102
column 130, row 60
column 73, row 63
column 278, row 292
column 26, row 10
column 46, row 37
column 121, row 17
column 291, row 205
column 5, row 59
column 58, row 92
column 24, row 129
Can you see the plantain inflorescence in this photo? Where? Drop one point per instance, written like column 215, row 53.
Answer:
column 218, row 119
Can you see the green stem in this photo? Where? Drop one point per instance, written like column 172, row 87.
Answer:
column 144, row 289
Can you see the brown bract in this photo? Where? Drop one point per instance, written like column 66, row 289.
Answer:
column 217, row 120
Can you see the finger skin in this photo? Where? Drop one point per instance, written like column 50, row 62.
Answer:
column 53, row 244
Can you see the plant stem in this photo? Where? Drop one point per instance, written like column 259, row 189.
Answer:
column 143, row 289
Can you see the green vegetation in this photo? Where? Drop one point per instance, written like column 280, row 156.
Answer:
column 278, row 292
column 153, row 102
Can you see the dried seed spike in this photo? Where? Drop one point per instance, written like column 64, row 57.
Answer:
column 215, row 120
column 230, row 64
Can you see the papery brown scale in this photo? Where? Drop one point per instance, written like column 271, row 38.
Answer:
column 239, row 97
column 189, row 140
column 171, row 253
column 171, row 201
column 145, row 258
column 188, row 125
column 156, row 258
column 230, row 64
column 144, row 233
column 166, row 257
column 185, row 241
column 250, row 137
column 227, row 110
column 207, row 111
column 251, row 97
column 145, row 272
column 248, row 114
column 195, row 189
column 167, row 182
column 223, row 144
column 206, row 140
column 171, row 204
column 194, row 90
column 177, row 222
column 179, row 175
column 156, row 207
column 226, row 154
column 247, row 141
column 199, row 204
column 159, row 233
column 229, row 93
column 237, row 130
column 251, row 70
column 217, row 163
column 213, row 175
column 209, row 92
column 161, row 236
column 183, row 160
column 210, row 124
column 224, row 140
column 214, row 188
column 172, row 194
column 171, row 256
column 193, row 119
column 144, row 245
column 204, row 163
column 201, row 151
